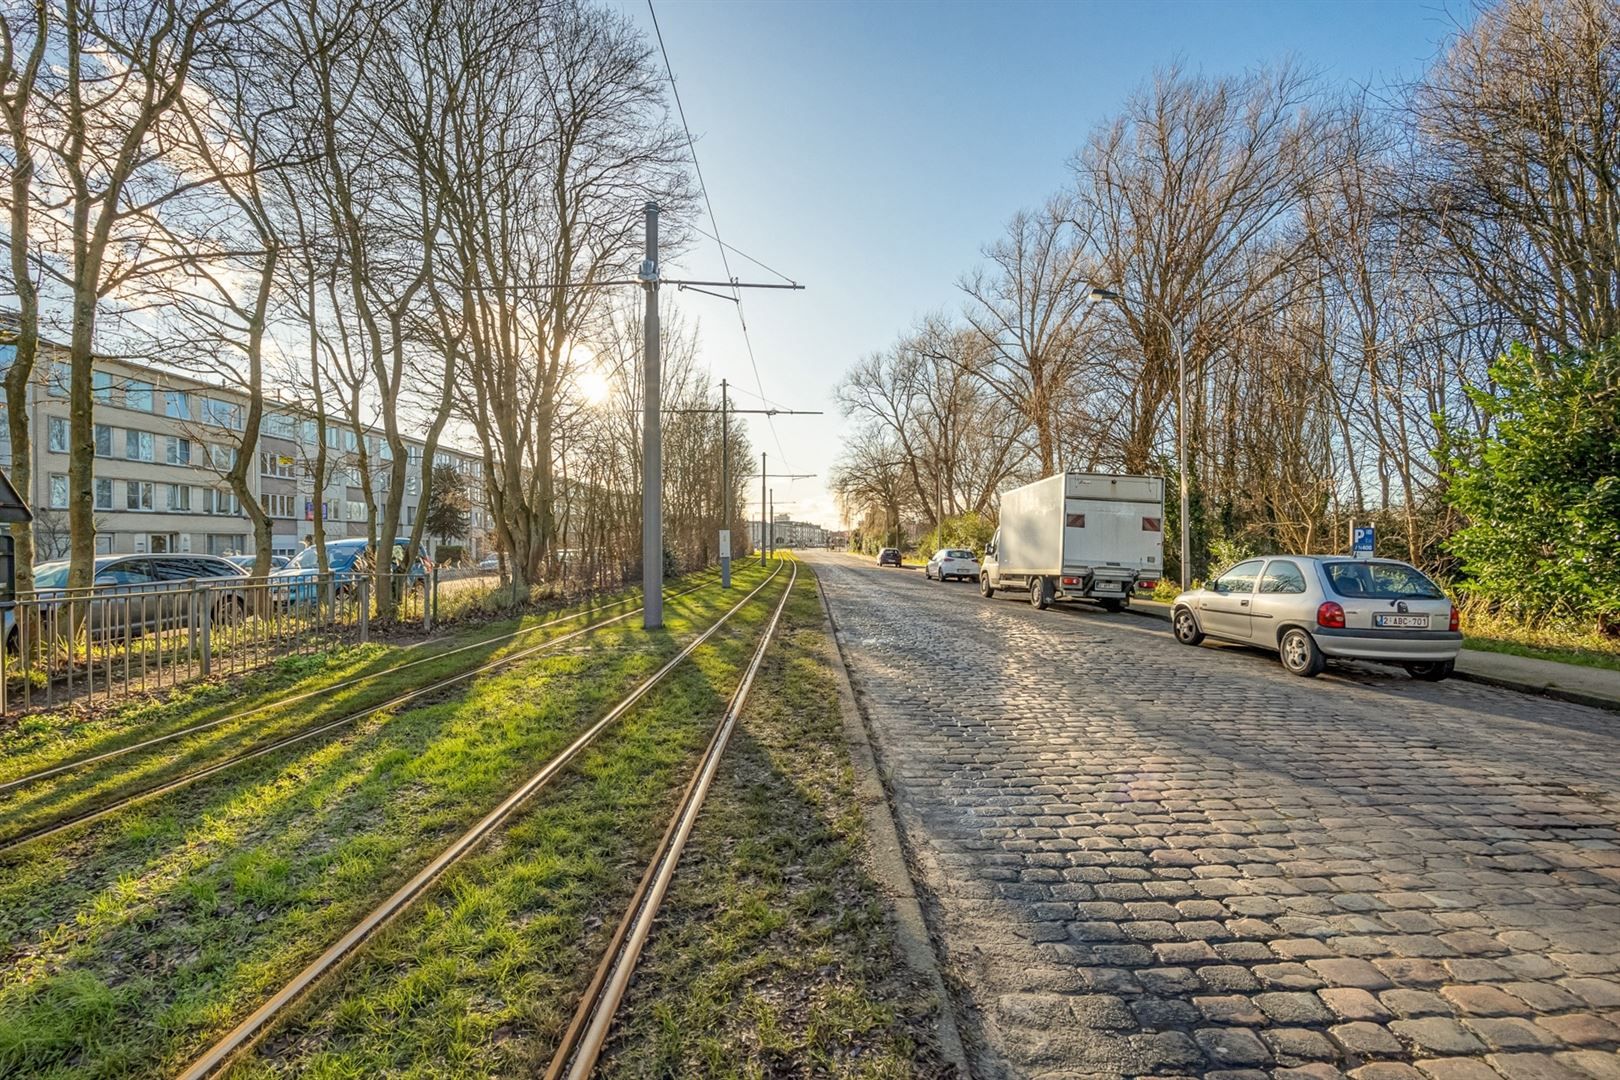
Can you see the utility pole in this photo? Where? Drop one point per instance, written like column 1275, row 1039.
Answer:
column 767, row 502
column 763, row 472
column 725, row 412
column 652, row 465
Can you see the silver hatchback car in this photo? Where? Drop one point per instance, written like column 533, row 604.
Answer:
column 1313, row 607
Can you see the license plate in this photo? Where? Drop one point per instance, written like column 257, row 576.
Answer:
column 1108, row 586
column 1402, row 622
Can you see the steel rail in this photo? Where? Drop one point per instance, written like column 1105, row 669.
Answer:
column 248, row 1032
column 587, row 1033
column 28, row 836
column 323, row 691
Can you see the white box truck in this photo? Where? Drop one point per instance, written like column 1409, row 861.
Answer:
column 1078, row 536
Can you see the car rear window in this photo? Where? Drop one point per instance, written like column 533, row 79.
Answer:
column 1380, row 581
column 959, row 554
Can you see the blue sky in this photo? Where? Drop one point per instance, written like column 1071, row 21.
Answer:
column 870, row 150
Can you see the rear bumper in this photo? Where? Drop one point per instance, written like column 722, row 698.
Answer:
column 1395, row 645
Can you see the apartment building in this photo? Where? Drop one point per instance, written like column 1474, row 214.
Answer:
column 164, row 442
column 787, row 533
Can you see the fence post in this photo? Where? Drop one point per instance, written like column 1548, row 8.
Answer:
column 206, row 620
column 364, row 596
column 9, row 608
column 427, row 598
column 331, row 598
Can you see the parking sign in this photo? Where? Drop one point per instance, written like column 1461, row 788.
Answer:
column 1362, row 545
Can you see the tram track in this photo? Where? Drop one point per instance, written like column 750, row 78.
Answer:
column 582, row 1042
column 251, row 1029
column 15, row 841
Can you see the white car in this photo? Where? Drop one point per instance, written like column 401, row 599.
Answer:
column 957, row 563
column 1308, row 608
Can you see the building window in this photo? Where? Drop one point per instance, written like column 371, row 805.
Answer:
column 103, row 440
column 57, row 434
column 140, row 495
column 178, row 497
column 357, row 510
column 224, row 457
column 279, row 506
column 412, row 484
column 59, row 491
column 139, row 445
column 101, row 386
column 176, row 451
column 223, row 413
column 224, row 543
column 277, row 465
column 56, row 379
column 138, row 395
column 221, row 502
column 104, row 494
column 176, row 405
column 280, row 425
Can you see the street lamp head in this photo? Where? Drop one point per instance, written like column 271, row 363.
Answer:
column 1095, row 293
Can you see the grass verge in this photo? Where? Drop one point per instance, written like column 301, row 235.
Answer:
column 773, row 954
column 126, row 948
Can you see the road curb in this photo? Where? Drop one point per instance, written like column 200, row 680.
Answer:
column 1556, row 693
column 888, row 856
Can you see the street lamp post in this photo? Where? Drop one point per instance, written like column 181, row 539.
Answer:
column 1095, row 293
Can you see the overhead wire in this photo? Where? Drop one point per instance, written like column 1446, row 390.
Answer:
column 708, row 204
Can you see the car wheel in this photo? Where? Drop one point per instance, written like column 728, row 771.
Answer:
column 1432, row 671
column 1300, row 654
column 1039, row 596
column 1113, row 607
column 986, row 590
column 1186, row 627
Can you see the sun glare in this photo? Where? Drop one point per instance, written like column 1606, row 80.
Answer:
column 593, row 386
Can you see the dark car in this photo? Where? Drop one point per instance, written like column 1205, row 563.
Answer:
column 138, row 591
column 277, row 562
column 889, row 557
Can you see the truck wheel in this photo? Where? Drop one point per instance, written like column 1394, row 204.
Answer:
column 1300, row 654
column 1040, row 594
column 1113, row 607
column 986, row 589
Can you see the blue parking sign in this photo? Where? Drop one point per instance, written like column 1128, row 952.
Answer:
column 1362, row 545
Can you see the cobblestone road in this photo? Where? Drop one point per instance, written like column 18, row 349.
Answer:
column 1144, row 859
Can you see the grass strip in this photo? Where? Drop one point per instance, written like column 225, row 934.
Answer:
column 773, row 954
column 125, row 951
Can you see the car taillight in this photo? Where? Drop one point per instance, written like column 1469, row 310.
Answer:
column 1454, row 620
column 1330, row 615
column 1071, row 581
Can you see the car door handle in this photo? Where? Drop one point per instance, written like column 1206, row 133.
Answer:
column 1243, row 603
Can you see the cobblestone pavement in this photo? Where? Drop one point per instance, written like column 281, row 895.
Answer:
column 1145, row 859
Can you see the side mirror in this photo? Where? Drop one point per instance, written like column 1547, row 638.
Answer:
column 1216, row 586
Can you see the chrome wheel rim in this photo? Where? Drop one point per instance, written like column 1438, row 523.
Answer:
column 1294, row 651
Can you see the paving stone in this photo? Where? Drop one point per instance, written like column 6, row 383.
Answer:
column 1365, row 1039
column 1437, row 1035
column 1293, row 1007
column 1581, row 1029
column 1352, row 1004
column 1165, row 1012
column 1350, row 972
column 1314, row 1070
column 1288, row 976
column 1599, row 992
column 1232, row 1046
column 1386, row 1070
column 1168, row 980
column 1543, row 997
column 1513, row 1033
column 1185, row 952
column 1410, row 972
column 1532, row 1067
column 1164, row 1050
column 1478, row 1000
column 1104, row 1011
column 1225, row 977
column 1457, row 1068
column 1591, row 1064
column 1291, row 1045
column 1416, row 1003
column 1229, row 1009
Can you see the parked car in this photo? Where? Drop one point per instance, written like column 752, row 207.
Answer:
column 349, row 560
column 958, row 563
column 490, row 563
column 1309, row 608
column 889, row 557
column 277, row 562
column 136, row 591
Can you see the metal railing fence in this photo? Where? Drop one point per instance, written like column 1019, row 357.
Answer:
column 112, row 640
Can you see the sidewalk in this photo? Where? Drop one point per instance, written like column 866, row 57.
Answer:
column 1597, row 687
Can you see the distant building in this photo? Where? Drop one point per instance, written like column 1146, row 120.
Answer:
column 788, row 533
column 163, row 444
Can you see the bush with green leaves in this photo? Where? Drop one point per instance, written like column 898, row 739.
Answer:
column 1541, row 490
column 967, row 530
